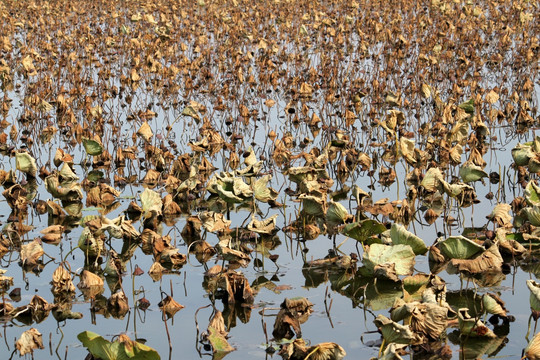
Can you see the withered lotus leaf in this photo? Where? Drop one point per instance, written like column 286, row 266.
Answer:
column 5, row 281
column 156, row 271
column 267, row 226
column 29, row 340
column 169, row 306
column 213, row 221
column 61, row 281
column 488, row 261
column 52, row 234
column 31, row 253
column 217, row 335
column 26, row 163
column 401, row 255
column 90, row 284
column 298, row 350
column 532, row 351
column 471, row 326
column 145, row 131
column 293, row 312
column 393, row 332
column 117, row 305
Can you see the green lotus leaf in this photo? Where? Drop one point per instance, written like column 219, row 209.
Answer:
column 400, row 235
column 400, row 255
column 533, row 214
column 364, row 230
column 312, row 205
column 532, row 193
column 393, row 332
column 25, row 163
column 336, row 213
column 470, row 172
column 468, row 106
column 117, row 350
column 534, row 298
column 459, row 247
column 92, row 147
column 522, row 153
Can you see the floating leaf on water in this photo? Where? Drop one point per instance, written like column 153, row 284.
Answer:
column 393, row 332
column 261, row 190
column 122, row 348
column 267, row 226
column 298, row 350
column 364, row 230
column 401, row 255
column 29, row 340
column 459, row 247
column 213, row 221
column 488, row 262
column 471, row 326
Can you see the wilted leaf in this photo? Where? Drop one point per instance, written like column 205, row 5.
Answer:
column 393, row 332
column 267, row 226
column 169, row 306
column 26, row 163
column 29, row 340
column 401, row 255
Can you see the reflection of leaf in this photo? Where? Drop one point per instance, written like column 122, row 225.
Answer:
column 336, row 213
